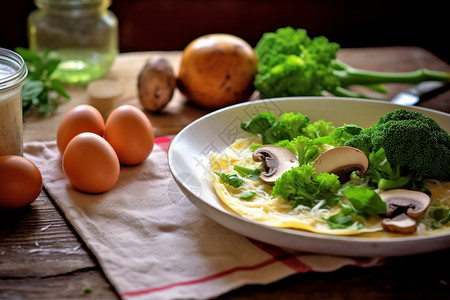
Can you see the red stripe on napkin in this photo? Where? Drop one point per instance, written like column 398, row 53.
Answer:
column 207, row 278
column 279, row 255
column 289, row 259
column 163, row 142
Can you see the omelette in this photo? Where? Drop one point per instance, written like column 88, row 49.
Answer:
column 254, row 201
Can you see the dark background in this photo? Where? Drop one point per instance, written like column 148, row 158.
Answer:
column 171, row 24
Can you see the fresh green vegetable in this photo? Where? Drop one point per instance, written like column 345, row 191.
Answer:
column 292, row 64
column 318, row 129
column 412, row 141
column 339, row 135
column 260, row 123
column 362, row 141
column 300, row 186
column 247, row 195
column 230, row 179
column 381, row 175
column 303, row 147
column 40, row 90
column 440, row 216
column 365, row 200
column 292, row 125
column 288, row 126
column 345, row 218
column 293, row 131
column 340, row 221
column 246, row 172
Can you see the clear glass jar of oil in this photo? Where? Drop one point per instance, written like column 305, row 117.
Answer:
column 83, row 34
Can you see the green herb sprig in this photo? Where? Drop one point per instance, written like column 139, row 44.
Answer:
column 40, row 90
column 230, row 179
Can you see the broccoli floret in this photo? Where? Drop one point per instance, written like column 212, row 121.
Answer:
column 411, row 140
column 292, row 64
column 318, row 129
column 303, row 148
column 362, row 141
column 288, row 126
column 300, row 186
column 339, row 135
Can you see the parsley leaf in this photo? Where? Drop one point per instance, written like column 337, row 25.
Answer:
column 230, row 179
column 340, row 221
column 344, row 219
column 40, row 90
column 440, row 216
column 247, row 195
column 246, row 172
column 365, row 201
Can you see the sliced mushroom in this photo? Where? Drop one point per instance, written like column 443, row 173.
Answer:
column 400, row 224
column 276, row 160
column 404, row 206
column 413, row 203
column 342, row 161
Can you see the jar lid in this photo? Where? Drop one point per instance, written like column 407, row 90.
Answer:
column 72, row 3
column 13, row 70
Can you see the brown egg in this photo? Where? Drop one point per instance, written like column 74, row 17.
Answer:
column 130, row 133
column 90, row 163
column 82, row 118
column 20, row 181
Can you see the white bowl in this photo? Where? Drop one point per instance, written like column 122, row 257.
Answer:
column 189, row 157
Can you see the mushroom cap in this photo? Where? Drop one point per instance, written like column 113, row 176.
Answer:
column 414, row 202
column 342, row 161
column 276, row 160
column 400, row 224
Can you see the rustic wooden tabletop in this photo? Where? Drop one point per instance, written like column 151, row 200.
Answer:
column 42, row 257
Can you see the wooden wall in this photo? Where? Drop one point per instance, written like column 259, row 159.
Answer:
column 172, row 24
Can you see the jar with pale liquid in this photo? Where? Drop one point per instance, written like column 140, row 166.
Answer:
column 13, row 73
column 83, row 34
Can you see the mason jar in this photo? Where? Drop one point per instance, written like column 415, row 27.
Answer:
column 83, row 34
column 13, row 73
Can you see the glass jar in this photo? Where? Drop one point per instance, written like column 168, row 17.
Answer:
column 13, row 72
column 83, row 34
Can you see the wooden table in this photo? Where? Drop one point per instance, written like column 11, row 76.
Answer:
column 41, row 256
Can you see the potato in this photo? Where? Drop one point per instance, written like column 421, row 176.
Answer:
column 217, row 70
column 156, row 84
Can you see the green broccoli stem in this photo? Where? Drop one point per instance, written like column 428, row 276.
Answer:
column 390, row 184
column 343, row 92
column 353, row 76
column 377, row 87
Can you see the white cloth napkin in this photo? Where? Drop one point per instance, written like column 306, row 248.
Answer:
column 152, row 243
